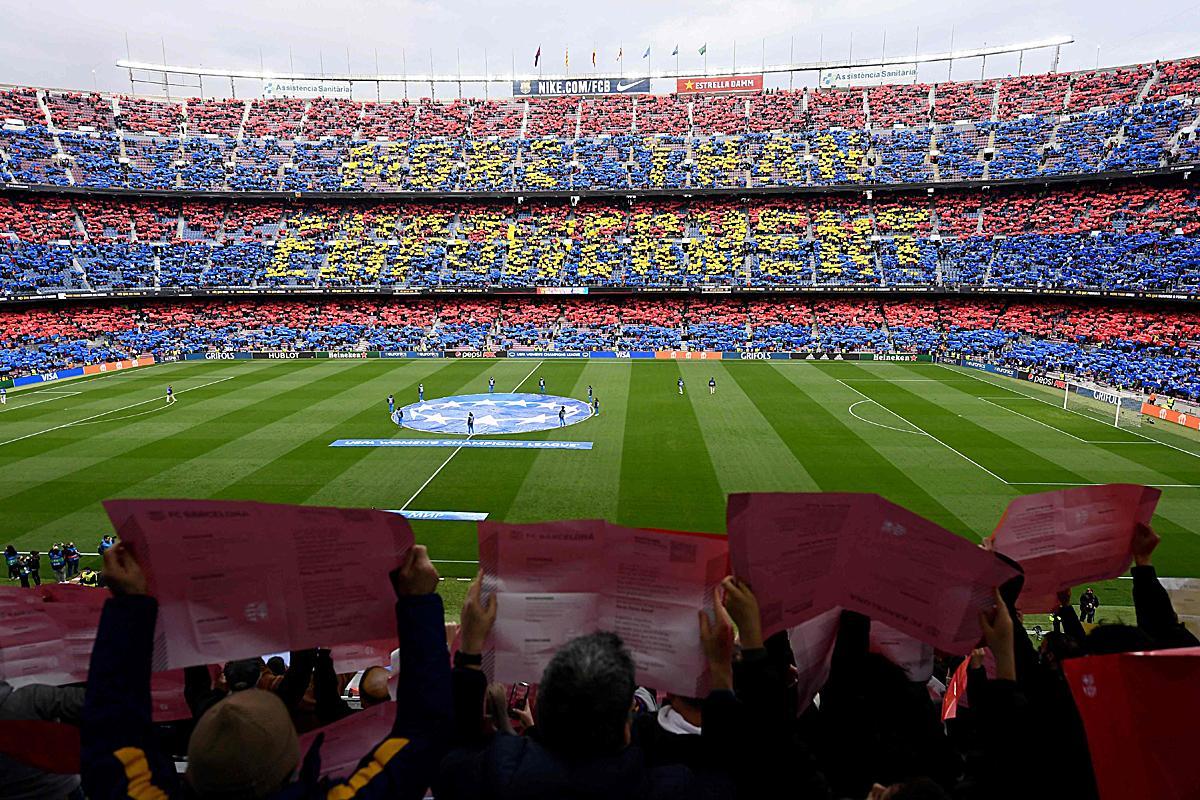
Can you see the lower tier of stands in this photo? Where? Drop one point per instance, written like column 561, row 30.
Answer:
column 1134, row 348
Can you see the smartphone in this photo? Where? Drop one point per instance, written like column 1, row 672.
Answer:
column 518, row 697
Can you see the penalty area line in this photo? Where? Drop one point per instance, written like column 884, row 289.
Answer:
column 110, row 411
column 57, row 396
column 913, row 425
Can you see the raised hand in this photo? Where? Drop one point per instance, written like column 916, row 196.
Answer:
column 717, row 640
column 122, row 572
column 477, row 617
column 997, row 629
column 416, row 575
column 742, row 606
column 1144, row 542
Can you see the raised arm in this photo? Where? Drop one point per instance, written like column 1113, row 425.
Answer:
column 119, row 756
column 470, row 682
column 1155, row 613
column 402, row 765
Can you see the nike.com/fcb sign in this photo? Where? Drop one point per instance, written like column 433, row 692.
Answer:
column 568, row 86
column 722, row 85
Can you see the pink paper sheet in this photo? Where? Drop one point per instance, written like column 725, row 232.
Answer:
column 554, row 581
column 812, row 644
column 355, row 656
column 806, row 553
column 46, row 633
column 1072, row 537
column 236, row 579
column 349, row 739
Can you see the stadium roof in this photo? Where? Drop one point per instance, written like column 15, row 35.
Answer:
column 512, row 75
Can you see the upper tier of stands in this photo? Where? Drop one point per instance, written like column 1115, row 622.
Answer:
column 1126, row 236
column 1110, row 120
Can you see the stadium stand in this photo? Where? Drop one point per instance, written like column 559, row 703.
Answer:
column 1114, row 120
column 1128, row 236
column 1141, row 349
column 1133, row 235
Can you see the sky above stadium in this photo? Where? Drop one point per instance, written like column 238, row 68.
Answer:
column 74, row 43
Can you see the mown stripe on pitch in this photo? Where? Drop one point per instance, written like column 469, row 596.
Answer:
column 573, row 485
column 490, row 480
column 259, row 438
column 667, row 476
column 1166, row 464
column 96, row 403
column 62, row 452
column 311, row 465
column 43, row 505
column 475, row 480
column 833, row 454
column 329, row 480
column 1177, row 511
column 106, row 387
column 386, row 478
column 1005, row 457
column 746, row 452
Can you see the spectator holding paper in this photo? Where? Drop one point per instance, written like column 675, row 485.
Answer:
column 245, row 746
column 1158, row 627
column 583, row 722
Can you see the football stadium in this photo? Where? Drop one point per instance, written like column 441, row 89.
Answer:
column 454, row 430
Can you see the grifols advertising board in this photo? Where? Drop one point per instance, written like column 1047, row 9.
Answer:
column 726, row 84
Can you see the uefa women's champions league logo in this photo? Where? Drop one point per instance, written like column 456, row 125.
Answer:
column 493, row 413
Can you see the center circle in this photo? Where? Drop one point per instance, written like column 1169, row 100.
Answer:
column 494, row 413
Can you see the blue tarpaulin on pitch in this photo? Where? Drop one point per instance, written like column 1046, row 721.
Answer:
column 516, row 444
column 445, row 516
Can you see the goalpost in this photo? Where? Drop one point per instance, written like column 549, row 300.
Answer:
column 1115, row 407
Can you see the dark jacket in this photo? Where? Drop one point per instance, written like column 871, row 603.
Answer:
column 1155, row 614
column 121, row 758
column 507, row 766
column 519, row 767
column 54, row 703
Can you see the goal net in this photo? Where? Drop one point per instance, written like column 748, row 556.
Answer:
column 1112, row 406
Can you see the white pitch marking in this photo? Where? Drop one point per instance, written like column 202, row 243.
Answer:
column 111, row 411
column 1155, row 485
column 1056, row 405
column 878, row 424
column 1038, row 421
column 58, row 396
column 909, row 422
column 460, row 447
column 127, row 416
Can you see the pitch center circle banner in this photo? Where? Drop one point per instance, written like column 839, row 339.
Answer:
column 494, row 413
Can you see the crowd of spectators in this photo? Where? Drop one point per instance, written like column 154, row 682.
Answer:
column 1140, row 349
column 1121, row 237
column 779, row 710
column 1113, row 120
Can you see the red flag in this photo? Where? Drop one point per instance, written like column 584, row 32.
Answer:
column 956, row 692
column 1140, row 711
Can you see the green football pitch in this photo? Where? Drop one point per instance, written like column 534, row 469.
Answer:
column 952, row 444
